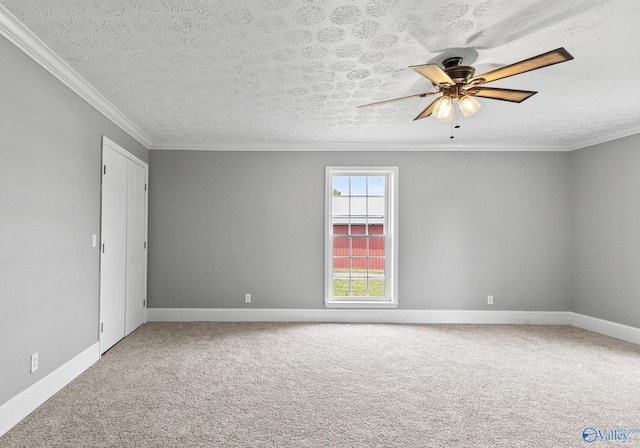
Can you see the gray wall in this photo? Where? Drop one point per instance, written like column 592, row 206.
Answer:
column 605, row 218
column 471, row 224
column 50, row 152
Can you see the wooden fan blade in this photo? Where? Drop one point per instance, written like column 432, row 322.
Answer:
column 419, row 95
column 543, row 60
column 514, row 96
column 428, row 111
column 434, row 74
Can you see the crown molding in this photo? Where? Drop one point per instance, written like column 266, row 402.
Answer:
column 363, row 146
column 22, row 37
column 606, row 137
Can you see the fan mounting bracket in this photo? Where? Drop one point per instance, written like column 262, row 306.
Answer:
column 451, row 62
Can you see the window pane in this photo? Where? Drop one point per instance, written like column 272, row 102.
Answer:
column 341, row 186
column 376, row 287
column 375, row 229
column 358, row 206
column 376, row 185
column 340, row 227
column 340, row 206
column 340, row 287
column 342, row 272
column 359, row 267
column 358, row 186
column 376, row 267
column 376, row 277
column 341, row 267
column 375, row 206
column 341, row 247
column 358, row 227
column 376, row 247
column 341, row 275
column 359, row 246
column 359, row 287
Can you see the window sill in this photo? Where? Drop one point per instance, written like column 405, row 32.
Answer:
column 359, row 304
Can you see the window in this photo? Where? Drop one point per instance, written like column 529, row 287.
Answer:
column 360, row 237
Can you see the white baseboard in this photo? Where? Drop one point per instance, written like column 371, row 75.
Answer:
column 358, row 315
column 606, row 327
column 29, row 399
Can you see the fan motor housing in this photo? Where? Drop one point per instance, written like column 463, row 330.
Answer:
column 460, row 74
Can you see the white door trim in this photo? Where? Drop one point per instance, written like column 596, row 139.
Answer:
column 113, row 145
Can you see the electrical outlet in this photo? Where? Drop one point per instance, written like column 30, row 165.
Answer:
column 247, row 298
column 490, row 300
column 34, row 362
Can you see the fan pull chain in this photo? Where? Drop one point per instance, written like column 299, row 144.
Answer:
column 452, row 125
column 456, row 118
column 457, row 126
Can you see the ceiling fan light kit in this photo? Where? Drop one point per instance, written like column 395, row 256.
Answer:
column 443, row 110
column 457, row 82
column 468, row 105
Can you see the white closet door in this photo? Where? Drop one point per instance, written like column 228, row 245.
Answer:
column 113, row 253
column 136, row 246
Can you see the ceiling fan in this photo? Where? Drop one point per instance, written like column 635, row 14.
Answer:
column 456, row 82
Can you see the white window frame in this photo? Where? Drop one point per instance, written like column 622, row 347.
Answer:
column 391, row 241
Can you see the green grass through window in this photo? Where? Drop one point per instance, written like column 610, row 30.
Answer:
column 358, row 285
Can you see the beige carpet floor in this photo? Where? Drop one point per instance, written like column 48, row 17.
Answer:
column 336, row 385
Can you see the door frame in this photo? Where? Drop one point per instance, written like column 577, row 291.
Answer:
column 106, row 142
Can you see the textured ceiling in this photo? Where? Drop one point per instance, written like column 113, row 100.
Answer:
column 291, row 72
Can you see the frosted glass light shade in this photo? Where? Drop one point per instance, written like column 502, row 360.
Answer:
column 444, row 109
column 468, row 105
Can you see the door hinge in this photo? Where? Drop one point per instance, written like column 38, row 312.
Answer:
column 145, row 187
column 144, row 302
column 104, row 169
column 102, row 247
column 145, row 244
column 102, row 327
